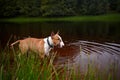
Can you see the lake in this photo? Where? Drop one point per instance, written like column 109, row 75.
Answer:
column 97, row 43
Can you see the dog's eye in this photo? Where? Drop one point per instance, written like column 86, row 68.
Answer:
column 57, row 39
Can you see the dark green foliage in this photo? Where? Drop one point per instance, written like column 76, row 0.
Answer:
column 114, row 5
column 93, row 7
column 28, row 7
column 118, row 5
column 13, row 8
column 58, row 8
column 7, row 8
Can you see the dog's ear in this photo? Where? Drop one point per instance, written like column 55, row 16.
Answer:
column 58, row 32
column 52, row 33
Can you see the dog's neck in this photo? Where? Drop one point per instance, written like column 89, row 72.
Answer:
column 47, row 46
column 50, row 42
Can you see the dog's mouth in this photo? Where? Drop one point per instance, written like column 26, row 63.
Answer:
column 60, row 45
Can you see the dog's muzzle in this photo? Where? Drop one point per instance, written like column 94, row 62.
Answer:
column 61, row 44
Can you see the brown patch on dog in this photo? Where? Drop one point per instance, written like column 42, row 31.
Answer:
column 32, row 44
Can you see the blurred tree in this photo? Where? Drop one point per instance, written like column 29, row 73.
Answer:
column 28, row 7
column 118, row 6
column 20, row 8
column 102, row 6
column 7, row 8
column 58, row 8
column 11, row 8
column 92, row 7
column 113, row 4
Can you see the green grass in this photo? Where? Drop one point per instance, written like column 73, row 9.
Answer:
column 101, row 18
column 14, row 66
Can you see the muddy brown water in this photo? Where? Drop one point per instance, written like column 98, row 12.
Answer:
column 97, row 43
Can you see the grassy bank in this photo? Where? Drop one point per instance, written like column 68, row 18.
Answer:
column 14, row 66
column 101, row 18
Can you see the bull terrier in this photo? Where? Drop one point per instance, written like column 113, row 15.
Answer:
column 41, row 46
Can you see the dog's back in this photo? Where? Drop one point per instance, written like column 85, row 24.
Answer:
column 32, row 44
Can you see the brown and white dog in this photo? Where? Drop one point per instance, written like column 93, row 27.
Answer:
column 40, row 46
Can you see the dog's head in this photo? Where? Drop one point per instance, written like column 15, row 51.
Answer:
column 57, row 40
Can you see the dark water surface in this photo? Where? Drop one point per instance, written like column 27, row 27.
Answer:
column 85, row 42
column 93, row 31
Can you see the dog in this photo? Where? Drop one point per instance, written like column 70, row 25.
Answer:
column 41, row 46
